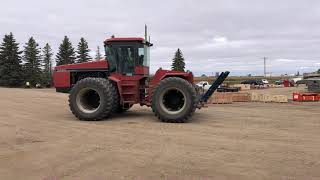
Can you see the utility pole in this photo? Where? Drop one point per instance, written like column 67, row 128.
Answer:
column 265, row 66
column 145, row 32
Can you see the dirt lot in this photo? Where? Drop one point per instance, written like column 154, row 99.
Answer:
column 40, row 139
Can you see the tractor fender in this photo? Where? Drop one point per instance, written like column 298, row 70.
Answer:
column 116, row 78
column 162, row 74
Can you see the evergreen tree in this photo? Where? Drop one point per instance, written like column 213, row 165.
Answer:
column 83, row 51
column 66, row 54
column 10, row 62
column 47, row 64
column 318, row 71
column 178, row 61
column 32, row 59
column 98, row 54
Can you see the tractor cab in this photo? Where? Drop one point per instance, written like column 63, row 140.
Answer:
column 128, row 56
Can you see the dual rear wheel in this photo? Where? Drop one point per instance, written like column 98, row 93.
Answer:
column 94, row 99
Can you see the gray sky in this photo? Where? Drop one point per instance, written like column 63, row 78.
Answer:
column 214, row 35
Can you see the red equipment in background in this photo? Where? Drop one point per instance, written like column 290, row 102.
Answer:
column 301, row 97
column 286, row 83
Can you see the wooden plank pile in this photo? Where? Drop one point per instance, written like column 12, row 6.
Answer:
column 267, row 98
column 275, row 86
column 241, row 97
column 230, row 97
column 243, row 87
column 220, row 98
column 280, row 99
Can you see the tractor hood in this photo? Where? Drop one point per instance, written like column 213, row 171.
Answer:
column 101, row 64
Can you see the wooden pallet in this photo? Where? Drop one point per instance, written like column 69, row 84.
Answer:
column 267, row 98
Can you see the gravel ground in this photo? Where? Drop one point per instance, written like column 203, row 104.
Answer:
column 41, row 139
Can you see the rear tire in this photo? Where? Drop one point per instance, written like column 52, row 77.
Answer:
column 116, row 98
column 117, row 106
column 174, row 100
column 91, row 99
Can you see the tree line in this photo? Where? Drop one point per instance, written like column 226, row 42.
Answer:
column 35, row 64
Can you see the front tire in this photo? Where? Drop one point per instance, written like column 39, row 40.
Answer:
column 174, row 100
column 91, row 99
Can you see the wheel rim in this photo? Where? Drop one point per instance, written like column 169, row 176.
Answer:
column 88, row 100
column 172, row 101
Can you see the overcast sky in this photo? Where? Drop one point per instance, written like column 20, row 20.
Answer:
column 214, row 35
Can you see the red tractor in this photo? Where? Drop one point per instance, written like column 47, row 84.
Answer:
column 99, row 89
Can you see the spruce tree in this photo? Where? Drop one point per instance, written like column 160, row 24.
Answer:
column 98, row 54
column 83, row 51
column 32, row 59
column 47, row 64
column 178, row 61
column 10, row 62
column 66, row 53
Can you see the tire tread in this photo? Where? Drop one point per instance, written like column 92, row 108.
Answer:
column 107, row 89
column 194, row 97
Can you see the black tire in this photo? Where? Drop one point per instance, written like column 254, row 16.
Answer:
column 116, row 98
column 174, row 100
column 91, row 99
column 117, row 106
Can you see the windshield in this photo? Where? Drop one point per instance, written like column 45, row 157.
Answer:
column 123, row 58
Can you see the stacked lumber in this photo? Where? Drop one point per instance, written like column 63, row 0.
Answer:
column 221, row 98
column 241, row 97
column 267, row 98
column 280, row 99
column 259, row 86
column 243, row 87
column 254, row 97
column 275, row 86
column 230, row 97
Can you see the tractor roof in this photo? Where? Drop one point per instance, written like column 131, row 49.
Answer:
column 124, row 39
